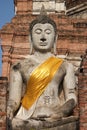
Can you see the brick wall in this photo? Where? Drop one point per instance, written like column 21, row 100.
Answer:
column 83, row 93
column 3, row 93
column 23, row 6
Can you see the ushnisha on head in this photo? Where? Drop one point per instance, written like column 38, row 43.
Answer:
column 43, row 33
column 42, row 19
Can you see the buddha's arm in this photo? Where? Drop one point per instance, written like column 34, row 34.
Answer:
column 15, row 90
column 69, row 90
column 69, row 83
column 70, row 94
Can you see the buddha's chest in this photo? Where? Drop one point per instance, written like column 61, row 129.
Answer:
column 35, row 67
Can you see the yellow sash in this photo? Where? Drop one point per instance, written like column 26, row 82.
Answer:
column 39, row 80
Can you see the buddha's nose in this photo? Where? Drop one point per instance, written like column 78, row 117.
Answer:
column 43, row 39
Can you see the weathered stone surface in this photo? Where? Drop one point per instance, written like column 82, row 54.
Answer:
column 50, row 5
column 76, row 9
column 69, row 123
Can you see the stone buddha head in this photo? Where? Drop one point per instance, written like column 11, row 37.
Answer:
column 43, row 34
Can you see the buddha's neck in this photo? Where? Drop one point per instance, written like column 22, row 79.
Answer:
column 42, row 56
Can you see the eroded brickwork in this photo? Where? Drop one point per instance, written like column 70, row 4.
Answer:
column 3, row 96
column 73, row 3
column 76, row 8
column 83, row 93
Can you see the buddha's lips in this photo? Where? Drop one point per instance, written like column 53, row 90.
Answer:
column 43, row 43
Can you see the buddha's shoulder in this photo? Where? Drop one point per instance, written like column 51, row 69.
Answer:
column 66, row 65
column 27, row 61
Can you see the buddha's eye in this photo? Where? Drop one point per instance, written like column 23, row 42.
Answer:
column 48, row 31
column 38, row 31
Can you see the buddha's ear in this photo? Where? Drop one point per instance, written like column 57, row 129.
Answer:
column 55, row 45
column 31, row 44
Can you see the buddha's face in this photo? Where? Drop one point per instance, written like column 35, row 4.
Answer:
column 43, row 37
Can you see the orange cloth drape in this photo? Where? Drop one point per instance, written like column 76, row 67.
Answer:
column 39, row 80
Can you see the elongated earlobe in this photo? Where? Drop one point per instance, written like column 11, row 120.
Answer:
column 31, row 46
column 55, row 46
column 31, row 49
column 54, row 49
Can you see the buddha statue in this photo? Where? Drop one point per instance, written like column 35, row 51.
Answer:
column 42, row 92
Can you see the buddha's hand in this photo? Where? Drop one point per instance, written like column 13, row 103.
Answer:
column 10, row 112
column 11, row 108
column 64, row 111
column 54, row 117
